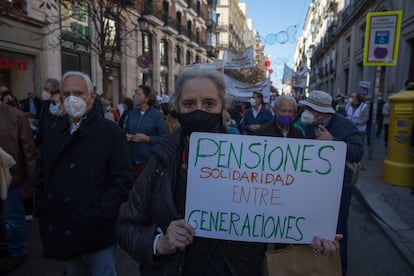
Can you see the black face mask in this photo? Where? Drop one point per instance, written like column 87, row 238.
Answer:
column 200, row 121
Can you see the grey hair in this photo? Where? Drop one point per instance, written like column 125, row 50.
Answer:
column 281, row 98
column 54, row 83
column 213, row 75
column 84, row 76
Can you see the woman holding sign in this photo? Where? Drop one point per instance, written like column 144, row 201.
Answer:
column 152, row 228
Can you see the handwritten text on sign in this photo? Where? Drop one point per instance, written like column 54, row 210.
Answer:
column 264, row 189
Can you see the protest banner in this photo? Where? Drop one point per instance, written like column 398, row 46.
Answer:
column 264, row 189
column 217, row 66
column 241, row 60
column 244, row 91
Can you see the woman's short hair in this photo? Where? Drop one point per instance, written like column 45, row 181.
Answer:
column 148, row 94
column 54, row 83
column 213, row 75
column 259, row 96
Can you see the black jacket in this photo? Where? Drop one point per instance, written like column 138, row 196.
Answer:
column 157, row 198
column 25, row 105
column 84, row 179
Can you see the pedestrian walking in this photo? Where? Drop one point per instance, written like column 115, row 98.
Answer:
column 358, row 112
column 85, row 176
column 145, row 127
column 386, row 112
column 16, row 139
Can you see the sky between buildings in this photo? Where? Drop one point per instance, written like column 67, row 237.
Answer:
column 279, row 23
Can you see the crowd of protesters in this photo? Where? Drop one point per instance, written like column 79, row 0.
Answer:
column 81, row 158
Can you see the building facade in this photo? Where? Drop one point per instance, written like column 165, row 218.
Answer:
column 333, row 47
column 120, row 44
column 26, row 58
column 231, row 26
column 151, row 41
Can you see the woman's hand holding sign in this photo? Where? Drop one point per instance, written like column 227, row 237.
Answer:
column 179, row 235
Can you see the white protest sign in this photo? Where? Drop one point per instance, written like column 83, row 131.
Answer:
column 264, row 189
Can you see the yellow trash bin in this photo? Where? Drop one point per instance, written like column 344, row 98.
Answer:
column 399, row 164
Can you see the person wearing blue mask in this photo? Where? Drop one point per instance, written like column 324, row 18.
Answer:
column 283, row 123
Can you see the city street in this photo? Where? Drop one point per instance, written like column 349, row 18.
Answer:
column 371, row 252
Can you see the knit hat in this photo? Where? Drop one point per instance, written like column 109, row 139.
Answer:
column 319, row 101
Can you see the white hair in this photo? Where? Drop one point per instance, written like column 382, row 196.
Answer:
column 84, row 76
column 281, row 98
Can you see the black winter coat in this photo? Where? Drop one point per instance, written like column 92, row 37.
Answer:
column 84, row 179
column 157, row 198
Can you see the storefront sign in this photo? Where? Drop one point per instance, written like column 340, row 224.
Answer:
column 74, row 46
column 13, row 64
column 116, row 57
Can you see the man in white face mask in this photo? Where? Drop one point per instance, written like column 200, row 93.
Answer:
column 77, row 98
column 322, row 123
column 87, row 175
column 256, row 115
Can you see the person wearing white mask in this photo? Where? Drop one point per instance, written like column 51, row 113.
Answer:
column 50, row 86
column 256, row 115
column 85, row 175
column 322, row 123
